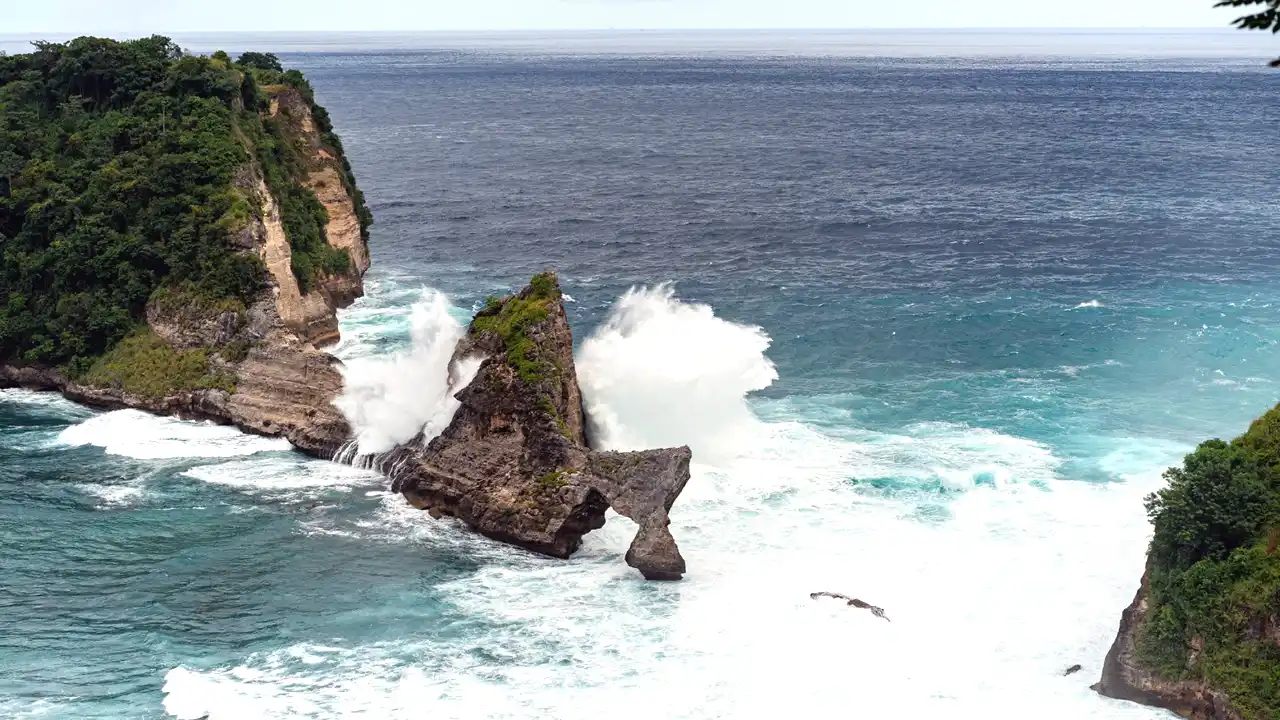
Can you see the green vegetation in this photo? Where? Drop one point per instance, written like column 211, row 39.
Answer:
column 1214, row 572
column 118, row 178
column 191, row 298
column 145, row 365
column 512, row 320
column 555, row 479
column 235, row 351
column 1266, row 19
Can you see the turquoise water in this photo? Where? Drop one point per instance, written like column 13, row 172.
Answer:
column 936, row 329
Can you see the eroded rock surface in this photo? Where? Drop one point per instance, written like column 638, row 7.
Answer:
column 514, row 464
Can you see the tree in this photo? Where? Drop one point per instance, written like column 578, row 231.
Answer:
column 1265, row 19
column 261, row 61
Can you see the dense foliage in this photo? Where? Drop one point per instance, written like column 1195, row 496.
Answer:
column 1214, row 571
column 1268, row 18
column 118, row 167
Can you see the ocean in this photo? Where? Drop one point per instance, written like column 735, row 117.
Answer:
column 933, row 319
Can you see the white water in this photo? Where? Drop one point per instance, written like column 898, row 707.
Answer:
column 655, row 354
column 142, row 436
column 286, row 478
column 1021, row 573
column 389, row 400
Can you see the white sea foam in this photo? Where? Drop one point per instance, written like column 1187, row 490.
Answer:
column 663, row 373
column 1025, row 575
column 284, row 478
column 113, row 496
column 140, row 435
column 1089, row 304
column 33, row 399
column 388, row 400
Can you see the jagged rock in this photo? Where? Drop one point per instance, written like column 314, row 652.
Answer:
column 1125, row 678
column 514, row 464
column 188, row 325
column 851, row 602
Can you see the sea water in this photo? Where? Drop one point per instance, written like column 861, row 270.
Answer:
column 933, row 326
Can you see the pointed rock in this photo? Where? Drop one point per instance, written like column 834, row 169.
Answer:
column 514, row 464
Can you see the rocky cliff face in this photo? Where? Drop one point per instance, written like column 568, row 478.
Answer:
column 514, row 463
column 1125, row 678
column 284, row 384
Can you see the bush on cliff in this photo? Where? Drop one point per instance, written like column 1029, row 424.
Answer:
column 143, row 364
column 513, row 318
column 1214, row 571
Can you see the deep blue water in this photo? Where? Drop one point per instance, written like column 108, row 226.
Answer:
column 1001, row 297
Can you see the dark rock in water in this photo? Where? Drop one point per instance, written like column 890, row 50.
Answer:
column 514, row 463
column 1071, row 670
column 852, row 602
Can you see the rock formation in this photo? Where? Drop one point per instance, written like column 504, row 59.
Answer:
column 852, row 602
column 514, row 464
column 284, row 385
column 1124, row 677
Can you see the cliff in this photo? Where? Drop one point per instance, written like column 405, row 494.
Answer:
column 178, row 233
column 1126, row 677
column 1202, row 635
column 514, row 463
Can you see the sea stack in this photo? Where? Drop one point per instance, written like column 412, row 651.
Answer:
column 514, row 463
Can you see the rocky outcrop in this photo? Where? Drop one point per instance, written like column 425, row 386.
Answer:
column 283, row 384
column 514, row 463
column 1124, row 677
column 284, row 387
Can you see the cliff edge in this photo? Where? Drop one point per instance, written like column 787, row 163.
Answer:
column 1202, row 635
column 514, row 463
column 1125, row 677
column 178, row 233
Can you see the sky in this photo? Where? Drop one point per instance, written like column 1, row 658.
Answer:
column 139, row 17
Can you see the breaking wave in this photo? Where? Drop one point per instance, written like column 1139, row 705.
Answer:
column 662, row 373
column 390, row 399
column 996, row 569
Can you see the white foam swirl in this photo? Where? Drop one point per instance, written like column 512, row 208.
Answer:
column 143, row 436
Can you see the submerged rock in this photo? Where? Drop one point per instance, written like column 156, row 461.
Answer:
column 514, row 464
column 1071, row 670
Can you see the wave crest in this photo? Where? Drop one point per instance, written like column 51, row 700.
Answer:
column 661, row 372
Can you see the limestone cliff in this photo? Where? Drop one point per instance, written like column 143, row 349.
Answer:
column 263, row 369
column 514, row 463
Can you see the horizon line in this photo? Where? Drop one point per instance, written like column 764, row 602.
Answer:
column 995, row 28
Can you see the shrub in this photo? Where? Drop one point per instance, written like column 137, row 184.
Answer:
column 1217, row 501
column 144, row 364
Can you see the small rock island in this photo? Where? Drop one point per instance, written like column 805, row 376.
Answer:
column 514, row 464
